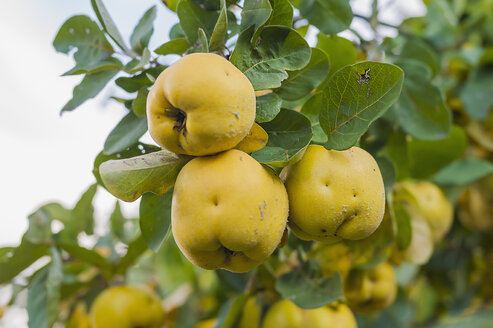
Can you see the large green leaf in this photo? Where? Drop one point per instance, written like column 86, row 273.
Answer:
column 308, row 289
column 126, row 133
column 127, row 179
column 177, row 46
column 132, row 151
column 93, row 49
column 311, row 109
column 329, row 16
column 140, row 101
column 89, row 88
column 279, row 48
column 352, row 102
column 136, row 82
column 44, row 294
column 155, row 218
column 134, row 250
column 289, row 135
column 20, row 258
column 463, row 172
column 82, row 218
column 282, row 13
column 421, row 110
column 218, row 37
column 39, row 230
column 402, row 220
column 426, row 157
column 192, row 17
column 419, row 50
column 341, row 53
column 299, row 83
column 476, row 94
column 268, row 106
column 143, row 31
column 109, row 25
column 255, row 13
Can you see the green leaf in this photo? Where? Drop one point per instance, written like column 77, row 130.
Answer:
column 176, row 32
column 282, row 13
column 236, row 282
column 268, row 106
column 192, row 17
column 137, row 65
column 311, row 109
column 109, row 64
column 134, row 250
column 396, row 151
column 171, row 4
column 329, row 16
column 134, row 150
column 463, row 172
column 88, row 256
column 134, row 83
column 126, row 133
column 476, row 94
column 255, row 13
column 218, row 37
column 230, row 312
column 419, row 50
column 39, row 230
column 127, row 179
column 117, row 223
column 177, row 47
column 476, row 319
column 404, row 232
column 289, row 135
column 301, row 82
column 44, row 294
column 341, row 53
column 306, row 288
column 421, row 110
column 82, row 218
column 142, row 33
column 280, row 48
column 155, row 218
column 89, row 88
column 351, row 104
column 388, row 172
column 21, row 257
column 426, row 157
column 201, row 45
column 139, row 103
column 109, row 25
column 93, row 49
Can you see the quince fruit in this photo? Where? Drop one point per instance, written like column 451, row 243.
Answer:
column 126, row 307
column 228, row 211
column 200, row 105
column 335, row 194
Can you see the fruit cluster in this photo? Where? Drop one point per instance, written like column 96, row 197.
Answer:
column 228, row 210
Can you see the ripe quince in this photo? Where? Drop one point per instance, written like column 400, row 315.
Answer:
column 228, row 211
column 370, row 290
column 430, row 202
column 126, row 307
column 335, row 194
column 200, row 105
column 285, row 314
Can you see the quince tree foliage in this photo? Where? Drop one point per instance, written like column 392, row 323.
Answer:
column 417, row 107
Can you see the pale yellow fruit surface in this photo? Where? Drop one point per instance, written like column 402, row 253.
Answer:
column 250, row 316
column 335, row 194
column 126, row 307
column 255, row 140
column 200, row 105
column 370, row 290
column 421, row 247
column 432, row 204
column 228, row 211
column 209, row 323
column 476, row 206
column 333, row 258
column 285, row 314
column 79, row 317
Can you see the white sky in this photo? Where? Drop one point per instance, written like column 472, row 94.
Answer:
column 45, row 157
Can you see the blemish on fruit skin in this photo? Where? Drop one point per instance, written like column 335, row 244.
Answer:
column 237, row 114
